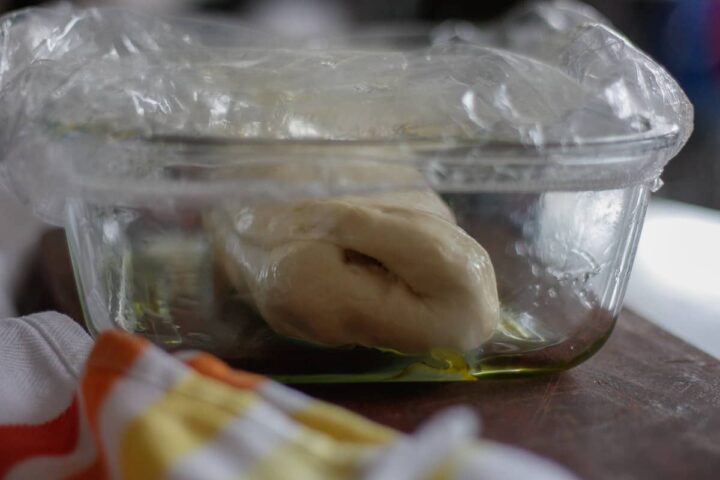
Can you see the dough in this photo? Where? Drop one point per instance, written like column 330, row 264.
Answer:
column 388, row 270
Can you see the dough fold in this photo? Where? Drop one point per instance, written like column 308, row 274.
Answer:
column 389, row 270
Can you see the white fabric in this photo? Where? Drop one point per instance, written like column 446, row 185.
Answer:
column 41, row 358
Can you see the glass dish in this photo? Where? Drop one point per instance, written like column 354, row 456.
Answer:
column 359, row 208
column 154, row 263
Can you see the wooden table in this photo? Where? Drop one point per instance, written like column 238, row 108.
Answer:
column 646, row 406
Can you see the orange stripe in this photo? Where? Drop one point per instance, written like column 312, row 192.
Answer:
column 56, row 437
column 112, row 357
column 210, row 366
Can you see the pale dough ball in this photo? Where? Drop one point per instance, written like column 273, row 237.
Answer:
column 389, row 270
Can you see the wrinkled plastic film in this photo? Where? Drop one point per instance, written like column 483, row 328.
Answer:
column 548, row 74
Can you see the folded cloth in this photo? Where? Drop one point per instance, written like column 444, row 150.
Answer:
column 122, row 408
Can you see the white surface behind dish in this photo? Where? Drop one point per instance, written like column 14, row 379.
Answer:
column 675, row 281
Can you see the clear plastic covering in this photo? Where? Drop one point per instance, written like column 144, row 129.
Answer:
column 549, row 77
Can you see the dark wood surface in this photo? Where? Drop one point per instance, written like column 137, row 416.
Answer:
column 646, row 406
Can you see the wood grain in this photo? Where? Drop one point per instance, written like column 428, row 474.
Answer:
column 646, row 406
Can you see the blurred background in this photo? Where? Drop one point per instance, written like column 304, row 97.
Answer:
column 676, row 279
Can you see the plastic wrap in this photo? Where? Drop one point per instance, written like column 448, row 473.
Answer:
column 549, row 76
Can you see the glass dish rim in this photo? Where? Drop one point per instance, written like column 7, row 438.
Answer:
column 608, row 163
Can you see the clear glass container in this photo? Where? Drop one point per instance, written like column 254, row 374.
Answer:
column 157, row 251
column 447, row 203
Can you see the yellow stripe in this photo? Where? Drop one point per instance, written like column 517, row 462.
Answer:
column 341, row 424
column 449, row 467
column 331, row 443
column 311, row 456
column 187, row 416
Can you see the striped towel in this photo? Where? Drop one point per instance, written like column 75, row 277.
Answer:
column 122, row 408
